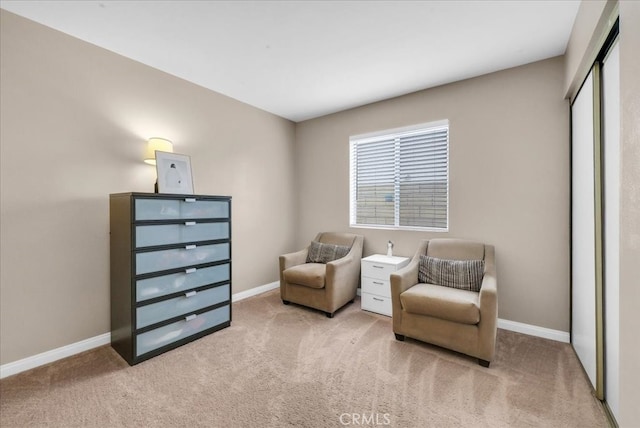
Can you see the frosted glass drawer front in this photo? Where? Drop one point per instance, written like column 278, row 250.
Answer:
column 153, row 261
column 190, row 302
column 163, row 234
column 192, row 278
column 168, row 209
column 378, row 304
column 168, row 334
column 377, row 270
column 380, row 287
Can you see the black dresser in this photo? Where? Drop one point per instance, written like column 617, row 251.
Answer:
column 170, row 270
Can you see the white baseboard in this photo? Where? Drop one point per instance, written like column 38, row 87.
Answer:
column 105, row 338
column 255, row 291
column 53, row 355
column 534, row 330
column 47, row 357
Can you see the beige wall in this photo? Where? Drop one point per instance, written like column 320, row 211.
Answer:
column 509, row 179
column 592, row 24
column 74, row 120
column 630, row 214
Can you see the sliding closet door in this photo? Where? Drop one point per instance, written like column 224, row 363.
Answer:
column 583, row 228
column 611, row 223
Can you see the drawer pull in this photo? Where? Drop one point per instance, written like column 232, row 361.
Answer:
column 189, row 247
column 189, row 199
column 190, row 317
column 379, row 300
column 190, row 293
column 190, row 270
column 189, row 223
column 378, row 267
column 378, row 283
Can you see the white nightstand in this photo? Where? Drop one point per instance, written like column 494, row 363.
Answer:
column 375, row 287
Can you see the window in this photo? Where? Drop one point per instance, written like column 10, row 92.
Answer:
column 400, row 178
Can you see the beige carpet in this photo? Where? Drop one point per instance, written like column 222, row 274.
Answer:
column 279, row 366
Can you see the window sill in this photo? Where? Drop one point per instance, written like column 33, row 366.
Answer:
column 408, row 228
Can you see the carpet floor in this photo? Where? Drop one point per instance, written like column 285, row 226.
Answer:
column 289, row 366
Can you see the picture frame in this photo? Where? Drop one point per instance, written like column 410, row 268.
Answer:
column 174, row 173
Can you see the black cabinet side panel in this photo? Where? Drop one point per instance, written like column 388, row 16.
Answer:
column 120, row 235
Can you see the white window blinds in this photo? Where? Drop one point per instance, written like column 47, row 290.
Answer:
column 399, row 178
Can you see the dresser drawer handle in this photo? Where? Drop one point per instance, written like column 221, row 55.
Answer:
column 189, row 199
column 379, row 300
column 190, row 270
column 190, row 293
column 378, row 267
column 190, row 317
column 189, row 223
column 378, row 283
column 189, row 247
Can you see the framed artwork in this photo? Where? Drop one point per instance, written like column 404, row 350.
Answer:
column 174, row 173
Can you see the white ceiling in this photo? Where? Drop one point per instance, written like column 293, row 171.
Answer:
column 304, row 59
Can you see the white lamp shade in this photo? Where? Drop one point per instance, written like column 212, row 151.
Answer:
column 154, row 144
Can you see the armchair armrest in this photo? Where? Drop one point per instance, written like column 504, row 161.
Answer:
column 287, row 261
column 293, row 259
column 488, row 307
column 347, row 268
column 489, row 294
column 402, row 280
column 405, row 278
column 338, row 263
column 489, row 287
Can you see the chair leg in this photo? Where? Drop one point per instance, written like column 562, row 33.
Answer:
column 483, row 363
column 399, row 337
column 286, row 302
column 329, row 314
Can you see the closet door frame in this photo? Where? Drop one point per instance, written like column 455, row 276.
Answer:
column 598, row 233
column 611, row 227
column 586, row 242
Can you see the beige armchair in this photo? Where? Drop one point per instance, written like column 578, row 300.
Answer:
column 462, row 320
column 323, row 286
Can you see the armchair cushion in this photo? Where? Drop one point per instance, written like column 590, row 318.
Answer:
column 325, row 253
column 462, row 274
column 308, row 274
column 446, row 303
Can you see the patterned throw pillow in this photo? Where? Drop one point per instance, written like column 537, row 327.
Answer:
column 462, row 274
column 325, row 253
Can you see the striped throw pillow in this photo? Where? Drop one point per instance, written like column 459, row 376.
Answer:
column 325, row 253
column 462, row 274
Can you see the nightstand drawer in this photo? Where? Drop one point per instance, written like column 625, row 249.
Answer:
column 190, row 302
column 189, row 231
column 377, row 270
column 375, row 282
column 375, row 286
column 170, row 209
column 153, row 261
column 154, row 339
column 378, row 304
column 176, row 282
